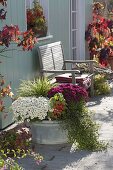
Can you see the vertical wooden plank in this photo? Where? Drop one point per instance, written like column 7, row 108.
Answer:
column 21, row 13
column 73, row 28
column 59, row 17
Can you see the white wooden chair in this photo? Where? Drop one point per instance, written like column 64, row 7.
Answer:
column 52, row 64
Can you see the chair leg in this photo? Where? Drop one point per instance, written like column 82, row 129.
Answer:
column 73, row 78
column 92, row 87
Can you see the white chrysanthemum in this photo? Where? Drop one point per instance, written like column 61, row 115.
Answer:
column 30, row 108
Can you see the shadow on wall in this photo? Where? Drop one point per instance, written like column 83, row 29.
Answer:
column 35, row 63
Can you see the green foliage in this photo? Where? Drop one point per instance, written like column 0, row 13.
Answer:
column 57, row 107
column 101, row 85
column 38, row 87
column 9, row 164
column 15, row 142
column 82, row 130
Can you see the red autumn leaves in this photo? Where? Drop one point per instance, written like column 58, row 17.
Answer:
column 99, row 36
column 4, row 91
column 59, row 107
column 12, row 34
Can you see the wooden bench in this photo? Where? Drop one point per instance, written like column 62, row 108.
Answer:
column 52, row 64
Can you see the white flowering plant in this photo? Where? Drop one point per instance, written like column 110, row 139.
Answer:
column 29, row 108
column 41, row 108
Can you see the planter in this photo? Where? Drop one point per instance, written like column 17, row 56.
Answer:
column 48, row 132
column 110, row 61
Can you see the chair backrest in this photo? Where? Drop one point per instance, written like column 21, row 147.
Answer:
column 51, row 57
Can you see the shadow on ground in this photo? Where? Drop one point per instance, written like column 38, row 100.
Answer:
column 56, row 157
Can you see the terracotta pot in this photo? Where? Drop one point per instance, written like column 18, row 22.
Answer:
column 110, row 61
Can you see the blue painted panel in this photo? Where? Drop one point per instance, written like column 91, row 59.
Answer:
column 18, row 64
column 59, row 23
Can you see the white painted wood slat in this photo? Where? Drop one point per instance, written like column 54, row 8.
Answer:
column 73, row 18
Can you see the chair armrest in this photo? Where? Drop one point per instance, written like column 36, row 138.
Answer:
column 73, row 73
column 61, row 71
column 79, row 61
column 90, row 62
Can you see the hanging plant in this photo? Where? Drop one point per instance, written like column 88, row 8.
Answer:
column 36, row 20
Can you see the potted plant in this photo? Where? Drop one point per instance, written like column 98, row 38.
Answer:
column 43, row 113
column 99, row 36
column 44, row 116
column 64, row 104
column 36, row 20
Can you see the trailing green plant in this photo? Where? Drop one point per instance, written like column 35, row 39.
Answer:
column 82, row 130
column 77, row 120
column 38, row 87
column 101, row 86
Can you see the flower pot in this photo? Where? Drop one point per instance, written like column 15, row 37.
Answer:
column 48, row 132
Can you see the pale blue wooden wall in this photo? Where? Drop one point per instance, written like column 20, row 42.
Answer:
column 17, row 65
column 59, row 17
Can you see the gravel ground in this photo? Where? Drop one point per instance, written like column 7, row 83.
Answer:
column 64, row 157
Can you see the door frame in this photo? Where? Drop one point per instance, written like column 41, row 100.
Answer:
column 80, row 29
